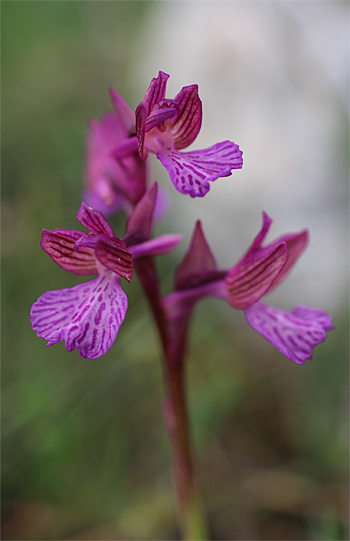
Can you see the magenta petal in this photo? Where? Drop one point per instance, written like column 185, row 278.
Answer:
column 59, row 244
column 188, row 119
column 87, row 316
column 158, row 246
column 111, row 252
column 191, row 172
column 94, row 220
column 114, row 255
column 296, row 243
column 156, row 91
column 294, row 333
column 252, row 277
column 197, row 263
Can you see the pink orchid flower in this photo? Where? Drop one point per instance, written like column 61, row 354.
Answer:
column 166, row 126
column 259, row 271
column 88, row 316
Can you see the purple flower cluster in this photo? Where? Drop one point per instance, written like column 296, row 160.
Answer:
column 89, row 315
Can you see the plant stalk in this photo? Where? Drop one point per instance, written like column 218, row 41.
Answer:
column 173, row 337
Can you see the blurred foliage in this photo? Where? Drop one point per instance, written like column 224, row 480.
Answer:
column 84, row 450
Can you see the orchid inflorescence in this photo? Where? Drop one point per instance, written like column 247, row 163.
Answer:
column 88, row 316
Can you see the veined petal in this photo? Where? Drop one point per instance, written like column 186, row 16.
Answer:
column 155, row 93
column 198, row 262
column 111, row 252
column 296, row 242
column 252, row 277
column 156, row 90
column 188, row 119
column 59, row 244
column 94, row 220
column 294, row 333
column 87, row 316
column 158, row 246
column 191, row 172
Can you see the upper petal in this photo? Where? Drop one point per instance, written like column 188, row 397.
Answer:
column 188, row 119
column 59, row 244
column 294, row 333
column 87, row 316
column 155, row 93
column 191, row 172
column 252, row 277
column 94, row 220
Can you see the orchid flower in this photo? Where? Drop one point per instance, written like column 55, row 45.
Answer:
column 115, row 175
column 259, row 271
column 88, row 316
column 166, row 126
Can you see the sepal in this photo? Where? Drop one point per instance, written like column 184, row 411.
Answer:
column 60, row 245
column 296, row 242
column 252, row 277
column 94, row 220
column 188, row 119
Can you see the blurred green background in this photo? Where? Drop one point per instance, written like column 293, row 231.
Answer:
column 84, row 450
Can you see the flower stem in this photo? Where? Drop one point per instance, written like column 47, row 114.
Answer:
column 173, row 339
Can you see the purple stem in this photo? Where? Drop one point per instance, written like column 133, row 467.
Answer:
column 173, row 339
